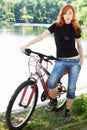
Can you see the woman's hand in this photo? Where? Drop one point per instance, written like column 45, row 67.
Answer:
column 23, row 49
column 81, row 61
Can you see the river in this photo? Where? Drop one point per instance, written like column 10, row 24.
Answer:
column 13, row 63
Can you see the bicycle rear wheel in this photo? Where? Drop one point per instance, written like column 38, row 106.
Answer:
column 62, row 98
column 21, row 105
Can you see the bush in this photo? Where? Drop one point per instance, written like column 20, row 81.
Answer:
column 80, row 105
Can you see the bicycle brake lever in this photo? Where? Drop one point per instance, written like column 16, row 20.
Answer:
column 48, row 60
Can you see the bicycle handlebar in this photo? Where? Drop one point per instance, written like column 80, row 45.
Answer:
column 29, row 51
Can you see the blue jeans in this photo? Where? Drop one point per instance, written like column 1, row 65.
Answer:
column 73, row 68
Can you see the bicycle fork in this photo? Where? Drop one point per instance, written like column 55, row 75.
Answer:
column 24, row 94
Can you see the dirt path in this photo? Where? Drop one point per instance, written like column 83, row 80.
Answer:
column 72, row 124
column 84, row 128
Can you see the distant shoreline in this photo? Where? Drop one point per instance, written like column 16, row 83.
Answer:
column 32, row 24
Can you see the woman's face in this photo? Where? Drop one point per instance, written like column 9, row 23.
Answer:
column 68, row 16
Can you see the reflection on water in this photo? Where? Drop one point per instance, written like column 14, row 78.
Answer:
column 13, row 64
column 22, row 30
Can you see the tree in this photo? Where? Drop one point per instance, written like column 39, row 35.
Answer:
column 39, row 11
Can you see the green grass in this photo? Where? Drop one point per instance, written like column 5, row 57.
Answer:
column 44, row 120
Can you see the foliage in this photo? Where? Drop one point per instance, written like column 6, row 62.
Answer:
column 38, row 11
column 81, row 7
column 80, row 105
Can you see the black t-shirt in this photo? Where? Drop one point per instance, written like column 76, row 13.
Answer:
column 65, row 40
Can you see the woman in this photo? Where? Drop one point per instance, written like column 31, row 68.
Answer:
column 67, row 32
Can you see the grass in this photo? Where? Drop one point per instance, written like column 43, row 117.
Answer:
column 44, row 120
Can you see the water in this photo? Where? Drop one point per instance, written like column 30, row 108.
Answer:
column 13, row 63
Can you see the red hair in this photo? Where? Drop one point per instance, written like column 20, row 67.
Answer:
column 60, row 19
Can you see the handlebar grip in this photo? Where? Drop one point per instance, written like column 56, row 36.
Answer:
column 28, row 51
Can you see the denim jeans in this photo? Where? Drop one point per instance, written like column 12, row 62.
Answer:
column 73, row 68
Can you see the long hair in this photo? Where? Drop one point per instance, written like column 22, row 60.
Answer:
column 60, row 20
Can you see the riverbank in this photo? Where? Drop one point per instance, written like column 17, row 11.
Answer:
column 65, row 125
column 44, row 120
column 84, row 34
column 81, row 125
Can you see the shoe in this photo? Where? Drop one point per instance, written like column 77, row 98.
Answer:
column 51, row 105
column 67, row 116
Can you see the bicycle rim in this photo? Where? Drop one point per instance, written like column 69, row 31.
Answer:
column 17, row 116
column 62, row 99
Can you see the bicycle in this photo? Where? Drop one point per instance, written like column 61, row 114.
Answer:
column 24, row 100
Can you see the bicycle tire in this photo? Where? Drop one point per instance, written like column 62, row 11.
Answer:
column 17, row 118
column 62, row 99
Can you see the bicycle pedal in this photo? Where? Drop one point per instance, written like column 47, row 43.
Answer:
column 43, row 96
column 59, row 90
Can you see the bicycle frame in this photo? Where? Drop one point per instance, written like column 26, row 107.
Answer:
column 40, row 76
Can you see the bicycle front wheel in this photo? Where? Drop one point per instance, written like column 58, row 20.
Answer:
column 21, row 105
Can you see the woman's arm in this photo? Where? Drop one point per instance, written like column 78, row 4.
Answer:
column 35, row 40
column 80, row 49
